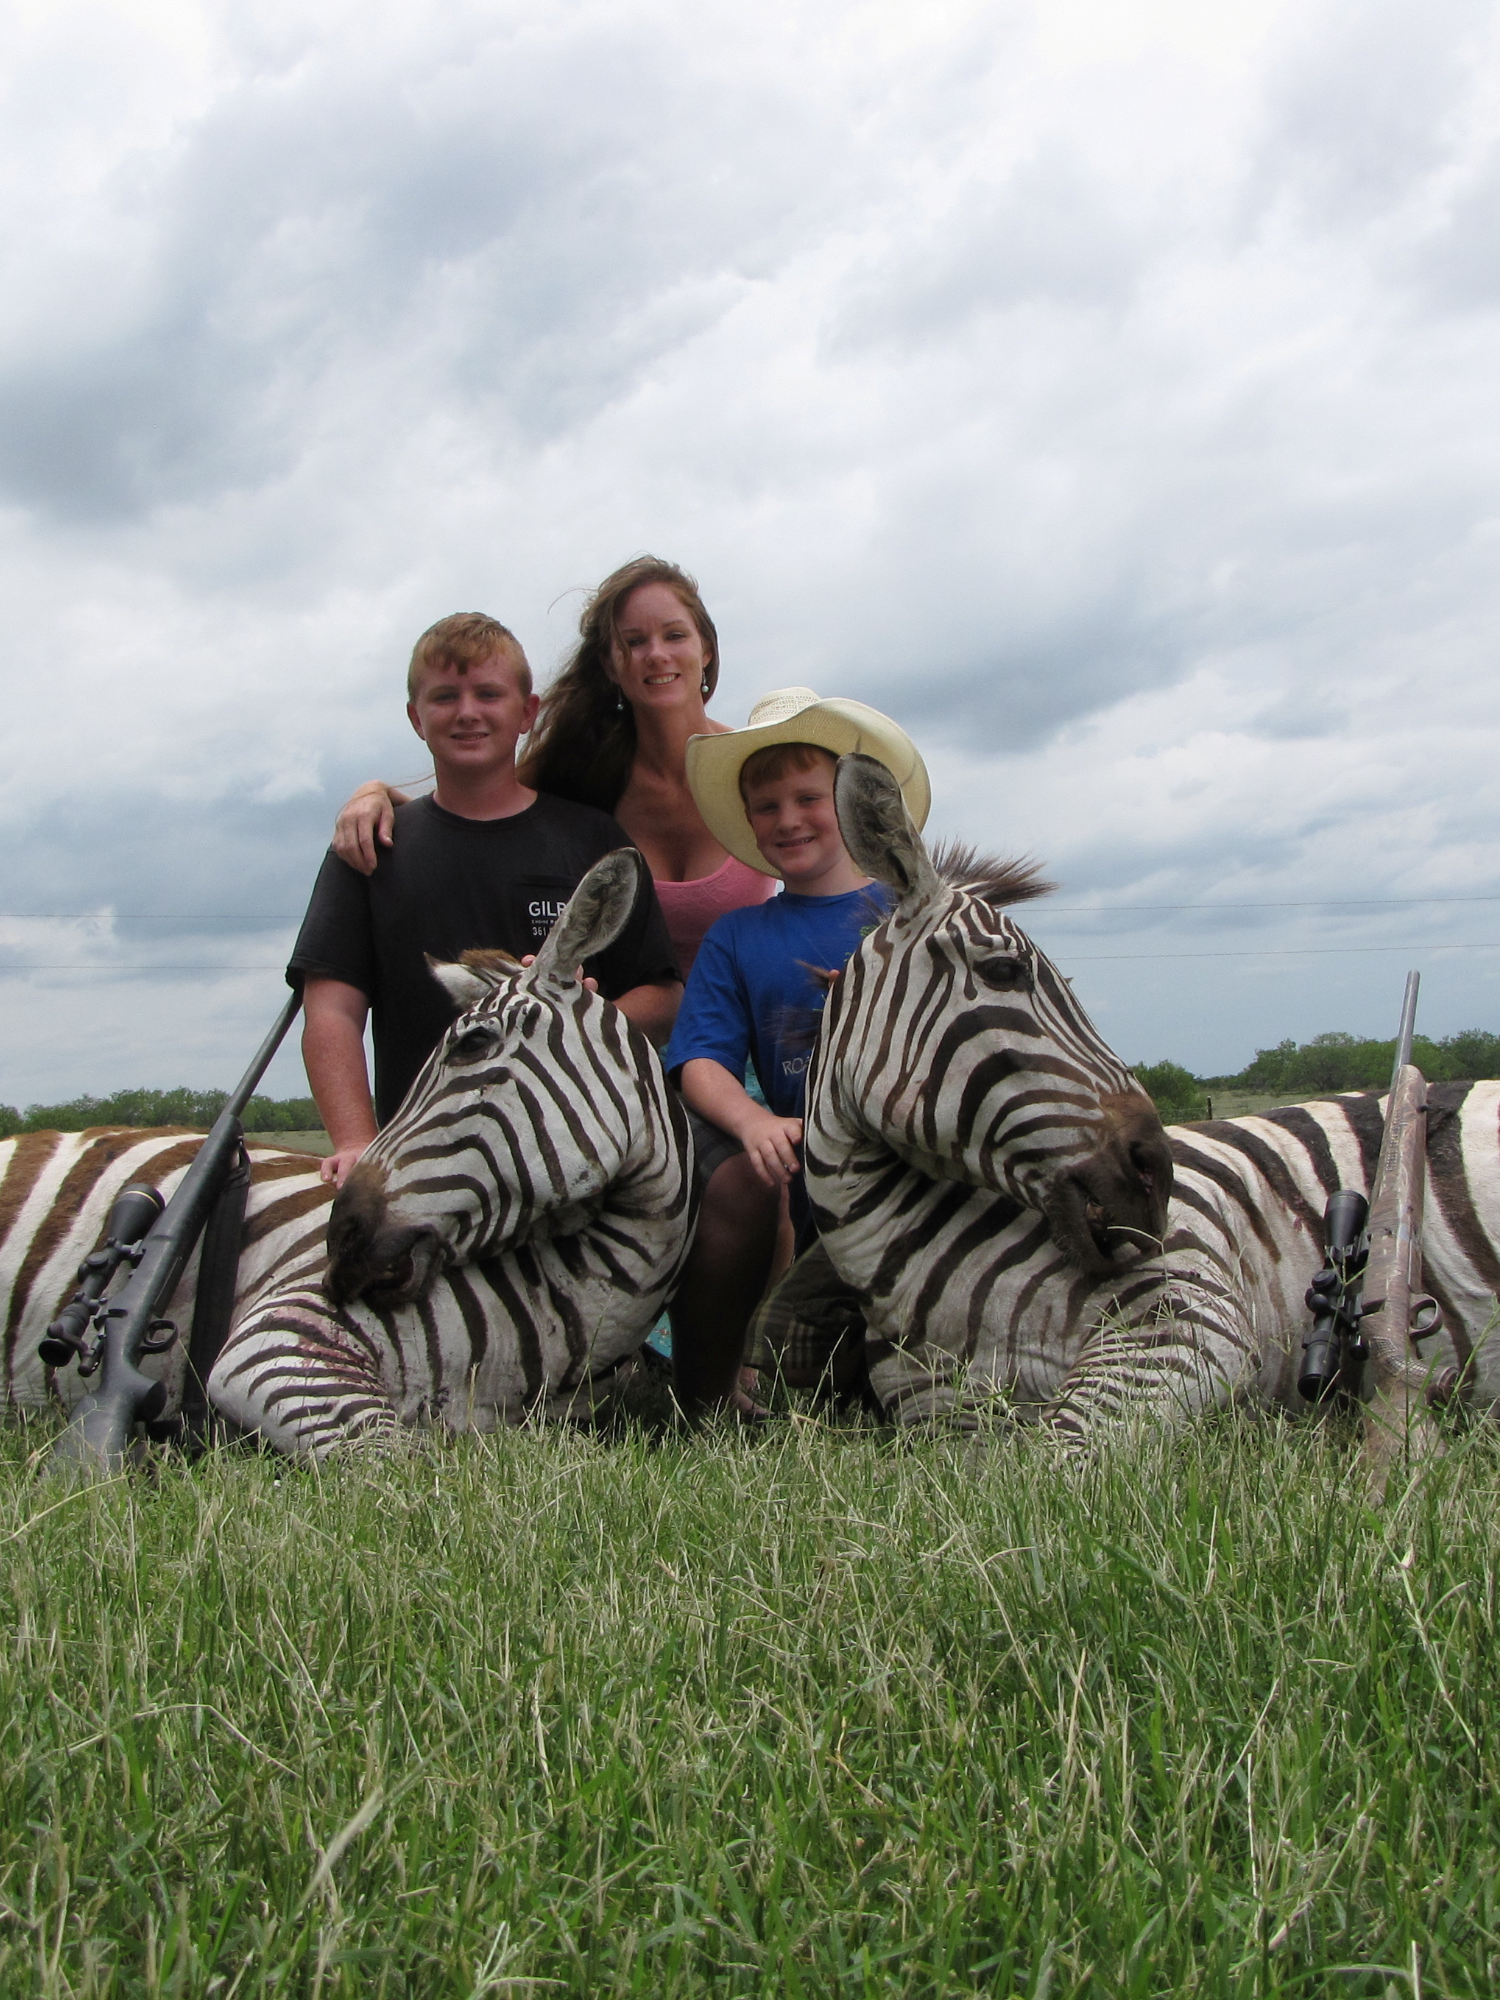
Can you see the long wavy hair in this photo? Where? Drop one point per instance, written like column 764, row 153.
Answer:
column 583, row 744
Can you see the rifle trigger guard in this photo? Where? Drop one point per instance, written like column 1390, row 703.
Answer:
column 168, row 1331
column 1426, row 1317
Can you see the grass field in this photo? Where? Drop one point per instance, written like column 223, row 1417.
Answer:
column 816, row 1711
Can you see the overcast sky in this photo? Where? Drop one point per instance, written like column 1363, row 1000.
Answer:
column 1108, row 389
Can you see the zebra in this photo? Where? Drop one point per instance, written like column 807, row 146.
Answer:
column 970, row 1143
column 512, row 1234
column 505, row 1244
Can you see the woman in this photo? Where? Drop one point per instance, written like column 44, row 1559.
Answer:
column 613, row 733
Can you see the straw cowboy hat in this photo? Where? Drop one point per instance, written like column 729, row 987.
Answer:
column 796, row 715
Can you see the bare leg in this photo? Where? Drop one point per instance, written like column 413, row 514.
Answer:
column 781, row 1263
column 722, row 1282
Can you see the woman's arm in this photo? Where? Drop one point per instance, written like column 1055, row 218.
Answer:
column 365, row 819
column 653, row 1008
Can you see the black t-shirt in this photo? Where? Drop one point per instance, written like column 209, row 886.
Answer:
column 451, row 885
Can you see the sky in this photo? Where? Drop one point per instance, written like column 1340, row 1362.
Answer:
column 1107, row 389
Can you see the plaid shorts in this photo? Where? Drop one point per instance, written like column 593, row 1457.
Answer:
column 711, row 1147
column 800, row 1326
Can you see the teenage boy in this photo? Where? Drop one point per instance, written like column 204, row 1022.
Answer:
column 756, row 990
column 482, row 862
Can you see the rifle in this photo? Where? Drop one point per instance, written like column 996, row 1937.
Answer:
column 109, row 1337
column 1367, row 1305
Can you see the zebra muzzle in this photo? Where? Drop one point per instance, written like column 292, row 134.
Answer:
column 392, row 1268
column 1111, row 1208
column 370, row 1256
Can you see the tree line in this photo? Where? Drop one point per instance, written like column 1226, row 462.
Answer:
column 195, row 1108
column 1324, row 1067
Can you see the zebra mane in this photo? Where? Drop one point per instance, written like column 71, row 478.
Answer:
column 487, row 962
column 992, row 880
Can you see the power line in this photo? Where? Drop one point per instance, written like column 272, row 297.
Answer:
column 142, row 968
column 1326, row 903
column 146, row 917
column 1073, row 958
column 1048, row 909
column 1289, row 951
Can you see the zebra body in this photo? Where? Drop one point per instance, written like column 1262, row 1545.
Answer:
column 955, row 1082
column 512, row 1234
column 1220, row 1314
column 535, row 1193
column 56, row 1191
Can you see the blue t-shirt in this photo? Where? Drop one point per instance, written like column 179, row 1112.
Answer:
column 753, row 990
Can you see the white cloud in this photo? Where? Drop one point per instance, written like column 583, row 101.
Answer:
column 1108, row 391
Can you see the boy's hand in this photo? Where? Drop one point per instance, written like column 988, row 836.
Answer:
column 337, row 1167
column 368, row 817
column 771, row 1144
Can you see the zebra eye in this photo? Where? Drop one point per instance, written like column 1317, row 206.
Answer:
column 475, row 1041
column 1004, row 973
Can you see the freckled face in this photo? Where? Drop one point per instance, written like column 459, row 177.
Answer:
column 796, row 827
column 659, row 659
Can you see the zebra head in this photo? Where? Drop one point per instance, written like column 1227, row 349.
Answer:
column 953, row 1041
column 520, row 1119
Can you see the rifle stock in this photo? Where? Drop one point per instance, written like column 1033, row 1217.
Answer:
column 1394, row 1307
column 1366, row 1304
column 98, row 1434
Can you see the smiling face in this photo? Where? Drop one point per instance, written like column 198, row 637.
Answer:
column 471, row 716
column 659, row 655
column 797, row 831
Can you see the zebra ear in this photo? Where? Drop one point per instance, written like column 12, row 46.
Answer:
column 462, row 986
column 595, row 914
column 878, row 830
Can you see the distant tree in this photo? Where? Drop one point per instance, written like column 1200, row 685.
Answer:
column 1472, row 1052
column 1335, row 1062
column 197, row 1109
column 1175, row 1091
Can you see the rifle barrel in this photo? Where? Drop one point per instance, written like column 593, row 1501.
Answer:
column 1408, row 1024
column 98, row 1431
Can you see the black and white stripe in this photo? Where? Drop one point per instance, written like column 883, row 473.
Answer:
column 511, row 1235
column 507, row 1241
column 948, row 1133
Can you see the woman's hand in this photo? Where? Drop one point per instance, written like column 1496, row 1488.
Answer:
column 367, row 818
column 771, row 1144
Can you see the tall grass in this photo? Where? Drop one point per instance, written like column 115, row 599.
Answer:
column 820, row 1712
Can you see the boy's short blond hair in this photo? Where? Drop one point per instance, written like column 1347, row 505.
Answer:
column 462, row 640
column 764, row 767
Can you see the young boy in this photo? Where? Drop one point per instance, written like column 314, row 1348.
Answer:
column 756, row 990
column 483, row 862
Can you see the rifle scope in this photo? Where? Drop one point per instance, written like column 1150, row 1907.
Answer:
column 1333, row 1295
column 134, row 1211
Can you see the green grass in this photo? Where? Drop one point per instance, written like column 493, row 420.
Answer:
column 1243, row 1103
column 817, row 1712
column 293, row 1142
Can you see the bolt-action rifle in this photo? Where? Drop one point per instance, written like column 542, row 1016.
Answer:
column 1367, row 1303
column 108, row 1335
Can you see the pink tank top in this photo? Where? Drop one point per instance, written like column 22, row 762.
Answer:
column 690, row 907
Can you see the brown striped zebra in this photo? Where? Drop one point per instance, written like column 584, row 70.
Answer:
column 56, row 1190
column 954, row 1108
column 539, row 1169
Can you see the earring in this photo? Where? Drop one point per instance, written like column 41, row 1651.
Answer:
column 619, row 701
column 707, row 690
